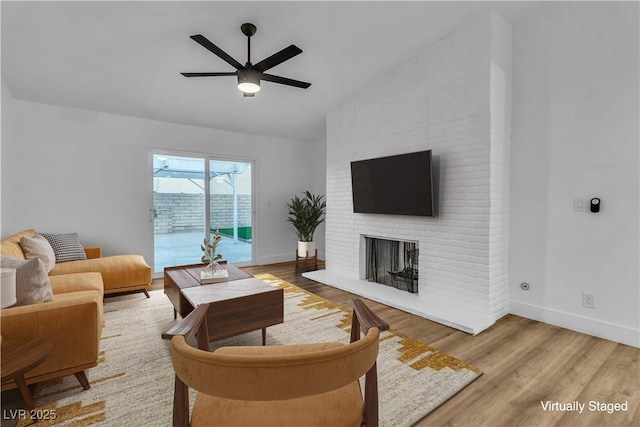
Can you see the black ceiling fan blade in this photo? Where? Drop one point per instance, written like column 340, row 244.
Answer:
column 285, row 81
column 278, row 58
column 204, row 42
column 207, row 74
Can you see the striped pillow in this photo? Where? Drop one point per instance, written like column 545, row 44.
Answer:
column 67, row 247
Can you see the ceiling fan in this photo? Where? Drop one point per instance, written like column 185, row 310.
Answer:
column 249, row 75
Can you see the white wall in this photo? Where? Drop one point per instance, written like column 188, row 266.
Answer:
column 6, row 133
column 575, row 134
column 71, row 170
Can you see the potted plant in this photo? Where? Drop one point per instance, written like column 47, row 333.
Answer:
column 210, row 256
column 306, row 213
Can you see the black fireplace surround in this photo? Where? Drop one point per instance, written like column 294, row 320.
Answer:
column 391, row 262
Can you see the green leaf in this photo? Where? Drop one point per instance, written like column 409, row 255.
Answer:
column 209, row 246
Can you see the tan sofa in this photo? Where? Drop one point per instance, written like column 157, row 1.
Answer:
column 73, row 320
column 120, row 273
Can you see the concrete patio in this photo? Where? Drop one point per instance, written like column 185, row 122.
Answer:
column 184, row 248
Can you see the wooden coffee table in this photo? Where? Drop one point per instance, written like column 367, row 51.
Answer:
column 242, row 304
column 188, row 276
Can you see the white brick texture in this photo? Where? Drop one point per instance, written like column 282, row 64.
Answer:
column 455, row 99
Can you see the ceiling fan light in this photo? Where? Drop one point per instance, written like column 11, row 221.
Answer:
column 248, row 80
column 249, row 87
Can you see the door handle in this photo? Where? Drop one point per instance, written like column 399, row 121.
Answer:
column 153, row 214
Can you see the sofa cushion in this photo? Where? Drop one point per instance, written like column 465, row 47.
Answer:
column 75, row 282
column 38, row 247
column 32, row 283
column 67, row 247
column 118, row 271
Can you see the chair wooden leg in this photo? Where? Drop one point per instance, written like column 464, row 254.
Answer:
column 146, row 293
column 82, row 379
column 180, row 404
column 371, row 397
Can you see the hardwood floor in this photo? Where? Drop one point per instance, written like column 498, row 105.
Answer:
column 525, row 364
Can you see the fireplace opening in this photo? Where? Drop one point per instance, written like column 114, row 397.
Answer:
column 392, row 262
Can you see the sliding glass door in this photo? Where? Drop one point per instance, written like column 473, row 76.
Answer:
column 231, row 208
column 193, row 196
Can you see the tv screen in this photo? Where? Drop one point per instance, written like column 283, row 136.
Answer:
column 398, row 185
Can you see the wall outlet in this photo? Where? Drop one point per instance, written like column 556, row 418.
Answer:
column 589, row 300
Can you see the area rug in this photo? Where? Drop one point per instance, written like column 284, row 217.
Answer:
column 133, row 382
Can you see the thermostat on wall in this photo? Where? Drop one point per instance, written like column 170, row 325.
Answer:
column 595, row 204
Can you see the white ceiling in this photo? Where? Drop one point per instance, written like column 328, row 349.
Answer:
column 126, row 57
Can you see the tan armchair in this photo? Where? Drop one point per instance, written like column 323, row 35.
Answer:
column 289, row 385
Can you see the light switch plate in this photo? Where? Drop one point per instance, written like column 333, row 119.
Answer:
column 579, row 204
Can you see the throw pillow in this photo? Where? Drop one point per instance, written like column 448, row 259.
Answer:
column 32, row 281
column 39, row 247
column 67, row 247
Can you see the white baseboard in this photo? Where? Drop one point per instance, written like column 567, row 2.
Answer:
column 274, row 259
column 598, row 328
column 284, row 257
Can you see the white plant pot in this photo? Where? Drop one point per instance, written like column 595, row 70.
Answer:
column 306, row 249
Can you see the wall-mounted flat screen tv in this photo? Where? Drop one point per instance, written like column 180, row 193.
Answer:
column 396, row 185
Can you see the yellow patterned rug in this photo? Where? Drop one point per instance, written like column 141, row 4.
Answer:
column 133, row 382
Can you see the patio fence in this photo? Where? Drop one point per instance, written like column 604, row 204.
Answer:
column 184, row 212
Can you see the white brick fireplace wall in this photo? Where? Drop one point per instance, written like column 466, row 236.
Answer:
column 455, row 99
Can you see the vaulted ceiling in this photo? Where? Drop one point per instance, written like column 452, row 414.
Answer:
column 126, row 57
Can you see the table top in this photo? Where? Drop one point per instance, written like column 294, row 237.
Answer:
column 186, row 276
column 216, row 292
column 21, row 355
